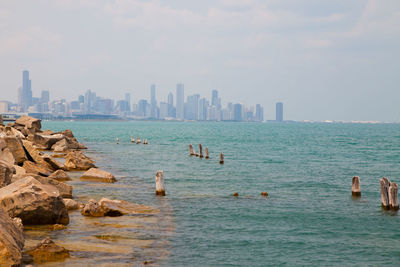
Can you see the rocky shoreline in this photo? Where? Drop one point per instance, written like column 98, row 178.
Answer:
column 33, row 189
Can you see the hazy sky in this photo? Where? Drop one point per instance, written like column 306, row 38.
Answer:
column 324, row 59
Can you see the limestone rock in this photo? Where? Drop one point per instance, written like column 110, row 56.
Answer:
column 29, row 122
column 95, row 174
column 46, row 141
column 6, row 173
column 31, row 167
column 108, row 207
column 72, row 142
column 5, row 154
column 15, row 146
column 53, row 163
column 64, row 189
column 47, row 251
column 47, row 132
column 60, row 175
column 33, row 202
column 61, row 146
column 11, row 241
column 72, row 204
column 76, row 160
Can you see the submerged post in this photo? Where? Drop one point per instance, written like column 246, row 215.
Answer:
column 191, row 152
column 160, row 189
column 145, row 142
column 117, row 140
column 356, row 187
column 393, row 196
column 132, row 139
column 221, row 158
column 206, row 151
column 138, row 140
column 385, row 184
column 201, row 150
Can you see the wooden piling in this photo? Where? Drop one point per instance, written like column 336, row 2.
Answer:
column 160, row 189
column 138, row 140
column 393, row 196
column 117, row 140
column 206, row 152
column 132, row 139
column 356, row 187
column 145, row 142
column 191, row 152
column 221, row 158
column 385, row 184
column 200, row 150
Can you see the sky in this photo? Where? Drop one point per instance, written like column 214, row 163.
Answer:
column 325, row 60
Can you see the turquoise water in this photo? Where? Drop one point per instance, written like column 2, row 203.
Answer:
column 309, row 217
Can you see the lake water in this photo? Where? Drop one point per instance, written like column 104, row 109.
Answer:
column 309, row 217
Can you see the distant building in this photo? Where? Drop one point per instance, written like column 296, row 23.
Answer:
column 214, row 98
column 128, row 100
column 237, row 112
column 259, row 113
column 202, row 109
column 164, row 110
column 25, row 92
column 81, row 99
column 180, row 105
column 45, row 96
column 153, row 102
column 3, row 106
column 192, row 110
column 170, row 105
column 279, row 111
column 142, row 109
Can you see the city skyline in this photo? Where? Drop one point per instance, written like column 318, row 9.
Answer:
column 194, row 108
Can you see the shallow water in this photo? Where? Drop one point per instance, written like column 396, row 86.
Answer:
column 309, row 217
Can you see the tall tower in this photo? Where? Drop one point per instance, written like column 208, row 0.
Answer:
column 153, row 102
column 279, row 111
column 214, row 98
column 26, row 91
column 128, row 100
column 170, row 104
column 180, row 104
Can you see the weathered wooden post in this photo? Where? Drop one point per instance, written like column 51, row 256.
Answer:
column 160, row 189
column 385, row 184
column 145, row 142
column 206, row 152
column 117, row 140
column 393, row 196
column 191, row 152
column 138, row 140
column 132, row 139
column 221, row 158
column 356, row 187
column 201, row 150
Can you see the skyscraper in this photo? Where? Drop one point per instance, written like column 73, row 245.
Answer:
column 170, row 104
column 180, row 105
column 279, row 111
column 25, row 93
column 45, row 96
column 259, row 113
column 237, row 112
column 153, row 102
column 128, row 100
column 214, row 98
column 193, row 107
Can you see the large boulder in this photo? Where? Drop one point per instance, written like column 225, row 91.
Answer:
column 15, row 146
column 60, row 175
column 61, row 146
column 29, row 122
column 108, row 207
column 77, row 161
column 11, row 241
column 72, row 204
column 5, row 153
column 31, row 167
column 48, row 251
column 33, row 202
column 46, row 141
column 95, row 174
column 64, row 189
column 40, row 158
column 6, row 173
